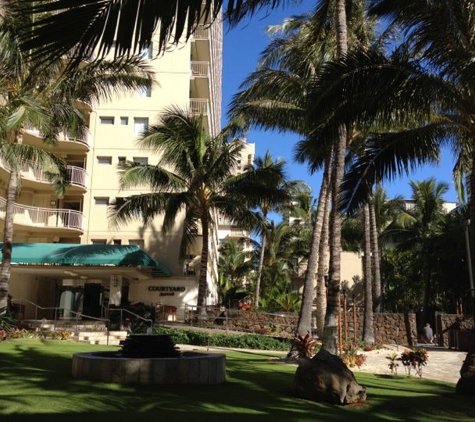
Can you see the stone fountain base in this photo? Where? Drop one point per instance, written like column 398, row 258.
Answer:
column 189, row 368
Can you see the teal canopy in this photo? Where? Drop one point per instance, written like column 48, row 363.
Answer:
column 76, row 254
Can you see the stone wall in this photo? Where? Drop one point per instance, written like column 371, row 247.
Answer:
column 451, row 331
column 454, row 331
column 276, row 324
column 389, row 328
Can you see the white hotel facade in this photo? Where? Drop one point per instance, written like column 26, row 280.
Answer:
column 66, row 254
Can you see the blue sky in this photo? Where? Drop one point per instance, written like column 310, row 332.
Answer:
column 242, row 46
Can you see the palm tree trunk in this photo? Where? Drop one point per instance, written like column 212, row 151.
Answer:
column 368, row 327
column 259, row 268
column 331, row 317
column 202, row 281
column 377, row 296
column 323, row 268
column 304, row 324
column 7, row 248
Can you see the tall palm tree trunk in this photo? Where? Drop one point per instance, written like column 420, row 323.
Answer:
column 331, row 317
column 202, row 281
column 377, row 295
column 257, row 292
column 323, row 268
column 7, row 248
column 304, row 324
column 368, row 327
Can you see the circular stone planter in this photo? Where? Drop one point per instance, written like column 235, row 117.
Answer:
column 189, row 368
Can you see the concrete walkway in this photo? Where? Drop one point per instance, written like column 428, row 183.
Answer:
column 443, row 364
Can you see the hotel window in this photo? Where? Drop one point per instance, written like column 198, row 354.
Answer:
column 106, row 120
column 104, row 160
column 140, row 124
column 99, row 241
column 138, row 242
column 144, row 92
column 124, row 121
column 117, row 241
column 101, row 200
column 121, row 160
column 141, row 160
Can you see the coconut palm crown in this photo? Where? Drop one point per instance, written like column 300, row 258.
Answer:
column 195, row 179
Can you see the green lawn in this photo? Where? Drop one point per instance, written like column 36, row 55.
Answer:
column 36, row 385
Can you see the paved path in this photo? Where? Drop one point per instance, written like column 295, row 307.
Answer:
column 443, row 364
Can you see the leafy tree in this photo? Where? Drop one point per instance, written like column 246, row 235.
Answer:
column 282, row 190
column 234, row 268
column 416, row 225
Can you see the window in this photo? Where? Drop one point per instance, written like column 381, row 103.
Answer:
column 144, row 92
column 124, row 121
column 122, row 160
column 141, row 160
column 104, row 160
column 117, row 242
column 106, row 120
column 99, row 241
column 140, row 124
column 138, row 242
column 101, row 200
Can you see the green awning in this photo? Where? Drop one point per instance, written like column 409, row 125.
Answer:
column 75, row 254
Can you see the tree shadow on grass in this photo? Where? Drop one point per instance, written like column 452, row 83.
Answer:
column 36, row 384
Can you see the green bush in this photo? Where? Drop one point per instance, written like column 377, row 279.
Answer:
column 235, row 341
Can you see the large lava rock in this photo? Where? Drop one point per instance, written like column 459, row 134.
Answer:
column 325, row 378
column 466, row 384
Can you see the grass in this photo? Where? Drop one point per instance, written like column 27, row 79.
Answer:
column 36, row 385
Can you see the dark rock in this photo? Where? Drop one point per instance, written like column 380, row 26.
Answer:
column 325, row 378
column 466, row 384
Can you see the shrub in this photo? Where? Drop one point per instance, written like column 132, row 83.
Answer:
column 414, row 360
column 61, row 335
column 351, row 357
column 305, row 345
column 236, row 341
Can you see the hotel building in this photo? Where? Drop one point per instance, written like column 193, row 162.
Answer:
column 66, row 255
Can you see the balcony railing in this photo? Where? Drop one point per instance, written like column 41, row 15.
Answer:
column 201, row 33
column 200, row 69
column 31, row 171
column 199, row 106
column 62, row 136
column 44, row 217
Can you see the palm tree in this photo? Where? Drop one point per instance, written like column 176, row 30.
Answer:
column 195, row 175
column 234, row 268
column 416, row 225
column 87, row 25
column 281, row 186
column 48, row 100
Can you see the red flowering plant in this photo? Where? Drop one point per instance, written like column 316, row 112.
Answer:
column 305, row 345
column 414, row 360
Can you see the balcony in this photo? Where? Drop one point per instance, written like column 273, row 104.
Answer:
column 47, row 218
column 201, row 33
column 200, row 106
column 200, row 46
column 200, row 69
column 78, row 143
column 31, row 171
